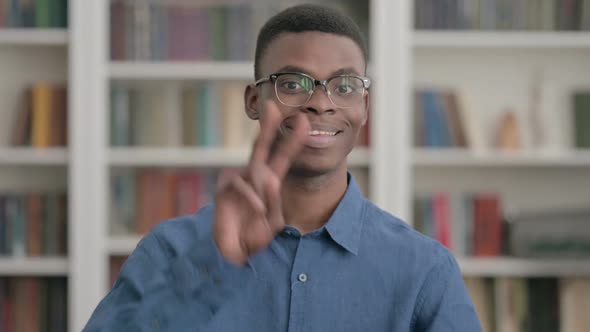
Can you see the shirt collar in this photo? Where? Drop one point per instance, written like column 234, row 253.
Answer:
column 344, row 226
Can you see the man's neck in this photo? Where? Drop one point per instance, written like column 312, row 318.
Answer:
column 308, row 202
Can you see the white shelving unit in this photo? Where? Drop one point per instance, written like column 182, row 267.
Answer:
column 28, row 55
column 491, row 67
column 37, row 267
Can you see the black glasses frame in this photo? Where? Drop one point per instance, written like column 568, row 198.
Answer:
column 272, row 78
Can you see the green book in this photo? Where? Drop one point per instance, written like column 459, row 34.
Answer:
column 582, row 120
column 42, row 17
column 217, row 23
column 58, row 13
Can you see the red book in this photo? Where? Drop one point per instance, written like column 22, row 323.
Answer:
column 488, row 226
column 442, row 225
column 189, row 189
column 118, row 29
column 34, row 220
column 156, row 199
column 116, row 263
column 59, row 121
column 31, row 319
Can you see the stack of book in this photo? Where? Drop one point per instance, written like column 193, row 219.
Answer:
column 503, row 14
column 136, row 207
column 531, row 305
column 469, row 224
column 33, row 304
column 34, row 13
column 202, row 114
column 42, row 117
column 33, row 224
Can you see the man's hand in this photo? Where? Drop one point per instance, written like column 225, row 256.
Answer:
column 248, row 212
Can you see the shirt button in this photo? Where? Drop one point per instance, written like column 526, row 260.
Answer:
column 302, row 277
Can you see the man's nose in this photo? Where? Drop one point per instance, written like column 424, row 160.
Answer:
column 320, row 101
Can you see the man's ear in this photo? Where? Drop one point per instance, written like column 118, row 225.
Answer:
column 251, row 102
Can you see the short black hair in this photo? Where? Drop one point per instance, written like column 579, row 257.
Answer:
column 307, row 17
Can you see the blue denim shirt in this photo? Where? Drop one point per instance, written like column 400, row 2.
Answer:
column 364, row 270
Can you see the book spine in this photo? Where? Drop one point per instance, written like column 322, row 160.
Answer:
column 41, row 115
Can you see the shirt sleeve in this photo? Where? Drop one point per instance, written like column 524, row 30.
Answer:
column 156, row 293
column 444, row 304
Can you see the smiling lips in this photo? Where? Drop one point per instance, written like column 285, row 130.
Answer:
column 321, row 136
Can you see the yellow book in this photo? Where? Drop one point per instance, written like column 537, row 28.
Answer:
column 40, row 130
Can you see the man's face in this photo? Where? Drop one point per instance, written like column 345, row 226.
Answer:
column 334, row 129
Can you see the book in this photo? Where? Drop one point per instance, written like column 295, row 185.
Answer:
column 581, row 118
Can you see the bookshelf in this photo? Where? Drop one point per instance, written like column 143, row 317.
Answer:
column 518, row 64
column 493, row 68
column 34, row 162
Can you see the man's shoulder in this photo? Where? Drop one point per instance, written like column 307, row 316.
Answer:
column 177, row 235
column 392, row 234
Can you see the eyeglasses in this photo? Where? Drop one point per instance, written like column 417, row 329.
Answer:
column 295, row 89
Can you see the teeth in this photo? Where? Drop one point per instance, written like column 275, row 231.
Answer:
column 319, row 132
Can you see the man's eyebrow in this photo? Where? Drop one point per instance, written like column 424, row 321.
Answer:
column 290, row 68
column 342, row 71
column 345, row 71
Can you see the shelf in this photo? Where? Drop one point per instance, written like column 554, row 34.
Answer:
column 38, row 266
column 33, row 156
column 122, row 245
column 520, row 267
column 502, row 39
column 31, row 36
column 465, row 158
column 201, row 157
column 182, row 70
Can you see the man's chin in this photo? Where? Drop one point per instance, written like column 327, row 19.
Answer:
column 305, row 167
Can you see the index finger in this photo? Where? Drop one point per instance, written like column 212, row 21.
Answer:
column 289, row 148
column 269, row 125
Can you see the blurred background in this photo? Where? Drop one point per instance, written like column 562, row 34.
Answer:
column 115, row 115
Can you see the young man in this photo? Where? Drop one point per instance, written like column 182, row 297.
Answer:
column 290, row 244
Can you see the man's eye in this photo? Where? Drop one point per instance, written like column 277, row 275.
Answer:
column 292, row 85
column 344, row 89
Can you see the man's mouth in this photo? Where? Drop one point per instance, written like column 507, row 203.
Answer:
column 322, row 133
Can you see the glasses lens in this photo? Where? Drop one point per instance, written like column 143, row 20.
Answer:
column 346, row 91
column 293, row 89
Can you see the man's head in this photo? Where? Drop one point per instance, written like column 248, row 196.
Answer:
column 307, row 18
column 298, row 50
